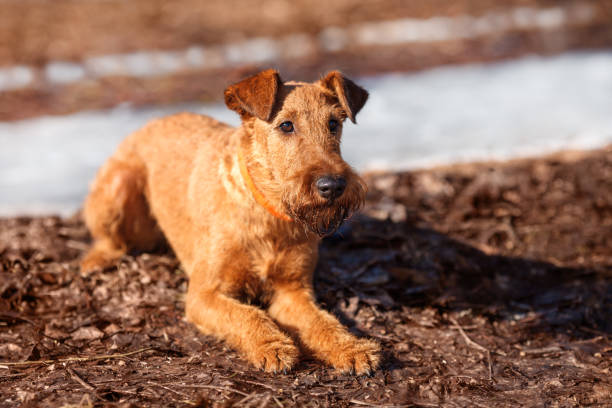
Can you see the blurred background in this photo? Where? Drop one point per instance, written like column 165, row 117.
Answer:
column 449, row 81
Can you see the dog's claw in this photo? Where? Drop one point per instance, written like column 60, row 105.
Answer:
column 275, row 354
column 361, row 357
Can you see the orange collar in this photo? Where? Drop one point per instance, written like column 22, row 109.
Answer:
column 257, row 195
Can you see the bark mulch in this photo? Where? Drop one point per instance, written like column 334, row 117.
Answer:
column 487, row 284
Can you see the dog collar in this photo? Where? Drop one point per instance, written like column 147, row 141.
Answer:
column 258, row 195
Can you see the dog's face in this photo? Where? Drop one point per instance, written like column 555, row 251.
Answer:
column 295, row 137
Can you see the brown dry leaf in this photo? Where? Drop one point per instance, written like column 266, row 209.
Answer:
column 87, row 333
column 10, row 350
column 350, row 309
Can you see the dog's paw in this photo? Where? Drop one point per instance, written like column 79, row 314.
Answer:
column 92, row 262
column 359, row 356
column 274, row 354
column 97, row 260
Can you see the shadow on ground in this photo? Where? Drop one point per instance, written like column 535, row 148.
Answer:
column 420, row 267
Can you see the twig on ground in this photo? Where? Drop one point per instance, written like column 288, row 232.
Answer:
column 11, row 315
column 182, row 394
column 594, row 339
column 264, row 403
column 78, row 379
column 465, row 336
column 245, row 399
column 475, row 345
column 542, row 350
column 75, row 359
column 257, row 383
column 213, row 387
column 278, row 402
column 369, row 404
column 16, row 375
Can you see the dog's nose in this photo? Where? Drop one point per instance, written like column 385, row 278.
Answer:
column 331, row 187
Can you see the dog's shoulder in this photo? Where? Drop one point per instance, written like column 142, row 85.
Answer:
column 188, row 120
column 183, row 128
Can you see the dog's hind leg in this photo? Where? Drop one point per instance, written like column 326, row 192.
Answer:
column 117, row 215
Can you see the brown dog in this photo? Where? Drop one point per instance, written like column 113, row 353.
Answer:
column 244, row 209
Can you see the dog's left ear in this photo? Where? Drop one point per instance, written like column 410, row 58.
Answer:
column 351, row 96
column 255, row 95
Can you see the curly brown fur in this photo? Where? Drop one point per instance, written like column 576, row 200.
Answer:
column 183, row 178
column 320, row 216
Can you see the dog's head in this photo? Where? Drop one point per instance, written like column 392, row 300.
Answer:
column 292, row 139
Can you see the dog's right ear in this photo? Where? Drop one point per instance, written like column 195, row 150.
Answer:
column 255, row 95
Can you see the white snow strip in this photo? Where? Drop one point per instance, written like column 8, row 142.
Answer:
column 516, row 108
column 500, row 111
column 61, row 72
column 252, row 51
column 332, row 39
column 434, row 29
column 15, row 77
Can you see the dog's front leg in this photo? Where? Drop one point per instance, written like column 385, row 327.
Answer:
column 245, row 327
column 294, row 308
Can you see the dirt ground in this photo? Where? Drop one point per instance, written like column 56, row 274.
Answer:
column 487, row 285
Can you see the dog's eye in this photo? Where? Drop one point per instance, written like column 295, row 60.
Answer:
column 286, row 127
column 333, row 125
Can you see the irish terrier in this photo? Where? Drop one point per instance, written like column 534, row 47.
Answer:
column 244, row 209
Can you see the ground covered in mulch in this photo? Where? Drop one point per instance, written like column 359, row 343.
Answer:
column 487, row 285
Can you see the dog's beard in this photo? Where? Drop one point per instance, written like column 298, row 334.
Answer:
column 320, row 219
column 325, row 217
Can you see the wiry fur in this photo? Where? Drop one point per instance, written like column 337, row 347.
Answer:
column 179, row 178
column 322, row 217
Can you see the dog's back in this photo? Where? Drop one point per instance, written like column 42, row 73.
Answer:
column 150, row 174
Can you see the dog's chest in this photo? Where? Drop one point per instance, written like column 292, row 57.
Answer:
column 255, row 290
column 273, row 262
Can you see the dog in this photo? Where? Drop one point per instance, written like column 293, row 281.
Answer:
column 244, row 210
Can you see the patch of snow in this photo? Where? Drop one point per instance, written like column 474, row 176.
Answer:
column 252, row 51
column 108, row 65
column 524, row 107
column 63, row 72
column 333, row 39
column 520, row 108
column 15, row 77
column 410, row 30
